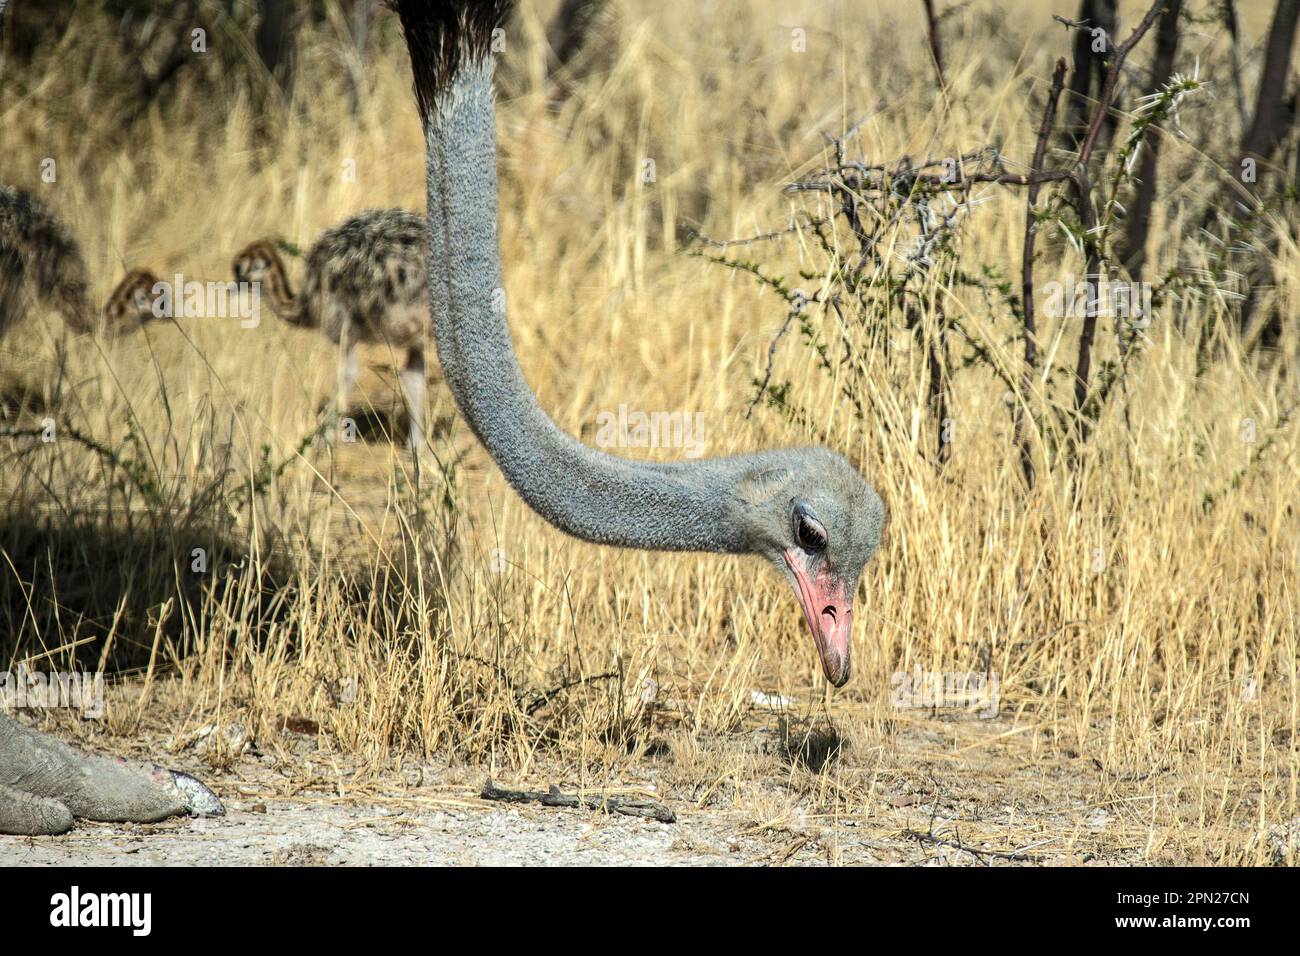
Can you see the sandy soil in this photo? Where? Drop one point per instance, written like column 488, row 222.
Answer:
column 368, row 834
column 297, row 802
column 282, row 833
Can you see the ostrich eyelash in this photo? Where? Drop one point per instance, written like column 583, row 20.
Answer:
column 808, row 531
column 811, row 537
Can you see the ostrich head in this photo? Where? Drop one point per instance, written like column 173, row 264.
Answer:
column 256, row 262
column 259, row 265
column 131, row 304
column 818, row 521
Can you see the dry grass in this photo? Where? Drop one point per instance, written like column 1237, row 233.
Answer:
column 1126, row 732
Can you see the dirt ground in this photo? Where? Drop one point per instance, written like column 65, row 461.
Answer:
column 291, row 804
column 327, row 833
column 324, row 831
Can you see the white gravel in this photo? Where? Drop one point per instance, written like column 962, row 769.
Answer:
column 342, row 835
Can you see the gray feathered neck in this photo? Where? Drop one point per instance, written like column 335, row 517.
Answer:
column 680, row 506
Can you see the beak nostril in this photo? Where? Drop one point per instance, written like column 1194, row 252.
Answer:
column 829, row 611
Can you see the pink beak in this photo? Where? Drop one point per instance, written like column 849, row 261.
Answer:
column 828, row 608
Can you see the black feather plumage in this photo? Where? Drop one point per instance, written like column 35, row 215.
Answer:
column 441, row 35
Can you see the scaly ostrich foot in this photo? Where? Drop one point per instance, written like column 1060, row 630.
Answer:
column 45, row 784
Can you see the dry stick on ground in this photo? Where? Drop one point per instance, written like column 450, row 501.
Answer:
column 1027, row 273
column 933, row 839
column 555, row 798
column 1087, row 216
column 545, row 697
column 981, row 855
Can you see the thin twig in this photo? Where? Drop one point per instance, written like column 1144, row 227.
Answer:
column 1092, row 241
column 771, row 357
column 936, row 49
column 1027, row 272
column 554, row 797
column 545, row 697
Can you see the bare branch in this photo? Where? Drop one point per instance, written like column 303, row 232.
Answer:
column 1094, row 263
column 1027, row 271
column 936, row 48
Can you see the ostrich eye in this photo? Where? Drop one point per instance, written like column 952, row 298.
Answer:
column 808, row 531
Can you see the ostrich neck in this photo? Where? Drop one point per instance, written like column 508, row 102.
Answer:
column 592, row 495
column 284, row 303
